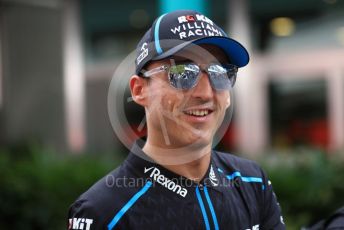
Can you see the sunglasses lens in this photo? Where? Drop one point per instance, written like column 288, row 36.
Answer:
column 222, row 77
column 183, row 76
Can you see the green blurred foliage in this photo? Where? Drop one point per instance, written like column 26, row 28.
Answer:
column 38, row 185
column 308, row 184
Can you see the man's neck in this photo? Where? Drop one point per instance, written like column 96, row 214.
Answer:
column 194, row 170
column 191, row 163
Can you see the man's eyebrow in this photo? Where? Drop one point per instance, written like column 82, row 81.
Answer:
column 180, row 60
column 177, row 58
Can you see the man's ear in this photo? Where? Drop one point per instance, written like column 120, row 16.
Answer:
column 138, row 88
column 228, row 102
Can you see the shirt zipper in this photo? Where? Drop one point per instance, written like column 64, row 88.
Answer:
column 206, row 206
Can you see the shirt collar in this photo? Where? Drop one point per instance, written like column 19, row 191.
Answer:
column 145, row 167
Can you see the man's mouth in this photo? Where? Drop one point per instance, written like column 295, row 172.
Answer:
column 198, row 112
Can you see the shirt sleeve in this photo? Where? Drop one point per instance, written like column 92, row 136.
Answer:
column 271, row 211
column 82, row 215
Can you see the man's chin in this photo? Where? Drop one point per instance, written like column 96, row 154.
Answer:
column 196, row 142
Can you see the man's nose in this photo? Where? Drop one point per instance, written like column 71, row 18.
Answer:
column 203, row 89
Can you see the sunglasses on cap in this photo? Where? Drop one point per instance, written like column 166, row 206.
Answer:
column 186, row 75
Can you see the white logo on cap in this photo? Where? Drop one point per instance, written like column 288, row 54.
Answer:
column 143, row 54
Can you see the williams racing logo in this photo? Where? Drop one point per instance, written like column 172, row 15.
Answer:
column 198, row 25
column 167, row 183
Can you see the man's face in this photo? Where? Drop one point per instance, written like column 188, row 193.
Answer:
column 181, row 118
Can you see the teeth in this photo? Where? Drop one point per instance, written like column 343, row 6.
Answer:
column 199, row 113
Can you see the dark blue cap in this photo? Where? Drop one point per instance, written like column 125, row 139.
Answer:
column 174, row 31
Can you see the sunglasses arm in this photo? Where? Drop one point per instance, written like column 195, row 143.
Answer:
column 154, row 71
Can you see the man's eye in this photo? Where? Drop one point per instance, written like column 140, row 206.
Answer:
column 217, row 69
column 177, row 69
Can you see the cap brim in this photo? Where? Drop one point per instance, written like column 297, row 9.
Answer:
column 236, row 52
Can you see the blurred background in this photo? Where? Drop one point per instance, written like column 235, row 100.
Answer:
column 57, row 58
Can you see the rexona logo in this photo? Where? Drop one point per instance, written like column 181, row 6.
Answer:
column 255, row 227
column 167, row 183
column 80, row 223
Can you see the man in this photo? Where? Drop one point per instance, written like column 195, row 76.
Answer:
column 185, row 68
column 334, row 222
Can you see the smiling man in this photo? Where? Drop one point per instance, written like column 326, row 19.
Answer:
column 186, row 67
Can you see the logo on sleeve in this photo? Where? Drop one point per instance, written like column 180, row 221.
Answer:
column 255, row 227
column 80, row 223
